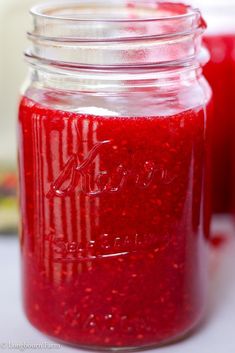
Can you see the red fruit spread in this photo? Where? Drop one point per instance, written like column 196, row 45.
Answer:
column 113, row 242
column 220, row 72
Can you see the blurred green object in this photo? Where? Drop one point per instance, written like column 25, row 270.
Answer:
column 8, row 202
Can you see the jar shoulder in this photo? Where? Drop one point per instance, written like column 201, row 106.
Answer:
column 143, row 102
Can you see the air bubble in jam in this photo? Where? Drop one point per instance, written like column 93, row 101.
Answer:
column 113, row 239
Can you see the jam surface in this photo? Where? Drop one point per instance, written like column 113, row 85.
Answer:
column 113, row 233
column 220, row 72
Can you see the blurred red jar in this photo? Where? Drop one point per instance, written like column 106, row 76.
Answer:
column 220, row 72
column 112, row 158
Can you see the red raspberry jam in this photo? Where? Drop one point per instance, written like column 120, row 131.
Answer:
column 113, row 242
column 220, row 72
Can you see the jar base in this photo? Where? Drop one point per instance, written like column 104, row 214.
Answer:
column 188, row 333
column 164, row 343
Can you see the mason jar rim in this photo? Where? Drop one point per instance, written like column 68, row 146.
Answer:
column 78, row 34
column 41, row 10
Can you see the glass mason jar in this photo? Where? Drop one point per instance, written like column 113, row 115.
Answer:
column 112, row 155
column 220, row 72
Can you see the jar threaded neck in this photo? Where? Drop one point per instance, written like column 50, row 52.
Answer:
column 126, row 34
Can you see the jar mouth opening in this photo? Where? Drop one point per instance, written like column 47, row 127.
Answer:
column 117, row 20
column 118, row 33
column 121, row 11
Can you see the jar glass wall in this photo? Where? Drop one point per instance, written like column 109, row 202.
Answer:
column 112, row 159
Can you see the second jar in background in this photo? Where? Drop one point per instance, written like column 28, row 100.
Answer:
column 220, row 72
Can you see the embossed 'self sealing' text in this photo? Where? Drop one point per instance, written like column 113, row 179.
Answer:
column 105, row 245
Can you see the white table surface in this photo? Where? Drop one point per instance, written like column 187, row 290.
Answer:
column 216, row 335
